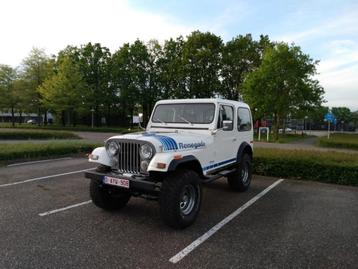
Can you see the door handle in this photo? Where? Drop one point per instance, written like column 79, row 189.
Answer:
column 234, row 140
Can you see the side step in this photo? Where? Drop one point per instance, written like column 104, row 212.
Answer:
column 211, row 178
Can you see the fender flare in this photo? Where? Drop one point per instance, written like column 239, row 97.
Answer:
column 186, row 159
column 243, row 147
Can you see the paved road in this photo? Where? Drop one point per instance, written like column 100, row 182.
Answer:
column 295, row 225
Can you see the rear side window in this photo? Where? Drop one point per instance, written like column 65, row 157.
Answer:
column 243, row 119
column 225, row 113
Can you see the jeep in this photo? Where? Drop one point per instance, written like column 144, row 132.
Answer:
column 187, row 142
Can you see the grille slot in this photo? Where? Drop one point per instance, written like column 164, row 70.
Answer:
column 129, row 159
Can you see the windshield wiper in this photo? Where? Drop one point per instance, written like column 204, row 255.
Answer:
column 161, row 121
column 184, row 119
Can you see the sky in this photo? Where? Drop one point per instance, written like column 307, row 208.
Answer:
column 326, row 30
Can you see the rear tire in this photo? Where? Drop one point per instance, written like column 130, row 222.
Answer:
column 180, row 199
column 240, row 180
column 106, row 197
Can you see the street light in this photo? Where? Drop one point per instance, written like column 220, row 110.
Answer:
column 92, row 120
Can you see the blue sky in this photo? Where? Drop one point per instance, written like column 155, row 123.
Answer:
column 327, row 30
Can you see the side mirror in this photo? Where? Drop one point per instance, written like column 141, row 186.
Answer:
column 227, row 125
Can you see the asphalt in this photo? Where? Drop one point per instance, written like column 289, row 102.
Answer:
column 295, row 225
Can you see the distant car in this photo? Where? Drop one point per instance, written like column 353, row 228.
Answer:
column 31, row 122
column 287, row 130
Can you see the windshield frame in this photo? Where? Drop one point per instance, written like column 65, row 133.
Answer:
column 153, row 119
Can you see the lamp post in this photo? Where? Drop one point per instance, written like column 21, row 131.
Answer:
column 306, row 117
column 92, row 118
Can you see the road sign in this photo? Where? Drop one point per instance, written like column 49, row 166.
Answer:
column 330, row 117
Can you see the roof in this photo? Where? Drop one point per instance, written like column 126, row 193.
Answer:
column 203, row 100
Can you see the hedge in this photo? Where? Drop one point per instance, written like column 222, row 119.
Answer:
column 349, row 141
column 25, row 151
column 35, row 134
column 330, row 167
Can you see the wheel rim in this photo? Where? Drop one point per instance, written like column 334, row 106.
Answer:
column 188, row 199
column 245, row 173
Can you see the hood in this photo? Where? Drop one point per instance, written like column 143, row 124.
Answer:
column 175, row 141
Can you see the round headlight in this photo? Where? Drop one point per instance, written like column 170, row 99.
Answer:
column 146, row 151
column 112, row 148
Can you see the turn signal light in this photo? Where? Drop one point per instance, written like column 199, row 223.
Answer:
column 161, row 165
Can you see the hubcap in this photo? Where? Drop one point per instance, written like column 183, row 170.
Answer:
column 245, row 173
column 188, row 199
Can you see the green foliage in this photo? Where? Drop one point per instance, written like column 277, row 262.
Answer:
column 283, row 138
column 66, row 89
column 35, row 134
column 348, row 141
column 36, row 68
column 202, row 64
column 25, row 151
column 330, row 167
column 342, row 114
column 283, row 83
column 81, row 79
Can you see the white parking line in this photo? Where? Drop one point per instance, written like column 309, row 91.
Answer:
column 64, row 208
column 45, row 177
column 218, row 226
column 41, row 161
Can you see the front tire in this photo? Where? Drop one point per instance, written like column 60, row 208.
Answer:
column 108, row 198
column 180, row 199
column 240, row 180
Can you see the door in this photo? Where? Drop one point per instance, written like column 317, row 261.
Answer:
column 225, row 141
column 244, row 125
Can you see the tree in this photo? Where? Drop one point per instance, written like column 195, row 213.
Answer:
column 36, row 68
column 283, row 84
column 94, row 60
column 9, row 90
column 65, row 90
column 172, row 72
column 202, row 64
column 343, row 115
column 240, row 56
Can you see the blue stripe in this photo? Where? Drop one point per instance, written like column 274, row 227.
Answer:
column 164, row 142
column 167, row 142
column 211, row 166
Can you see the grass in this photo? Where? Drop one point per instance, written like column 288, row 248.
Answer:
column 19, row 134
column 330, row 167
column 282, row 138
column 78, row 128
column 29, row 151
column 347, row 141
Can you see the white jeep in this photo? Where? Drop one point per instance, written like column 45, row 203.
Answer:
column 186, row 143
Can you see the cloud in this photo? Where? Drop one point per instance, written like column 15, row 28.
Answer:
column 55, row 24
column 338, row 73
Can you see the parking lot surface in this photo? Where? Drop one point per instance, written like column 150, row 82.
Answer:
column 48, row 221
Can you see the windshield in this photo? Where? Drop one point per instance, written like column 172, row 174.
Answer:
column 202, row 113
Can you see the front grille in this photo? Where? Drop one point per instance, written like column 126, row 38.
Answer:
column 129, row 158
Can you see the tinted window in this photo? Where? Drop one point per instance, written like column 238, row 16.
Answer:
column 184, row 113
column 225, row 113
column 243, row 119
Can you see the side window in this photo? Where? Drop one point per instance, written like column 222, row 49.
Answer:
column 225, row 113
column 243, row 119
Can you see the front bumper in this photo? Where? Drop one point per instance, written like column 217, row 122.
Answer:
column 137, row 184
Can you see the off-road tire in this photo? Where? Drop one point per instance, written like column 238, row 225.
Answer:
column 240, row 180
column 107, row 197
column 173, row 210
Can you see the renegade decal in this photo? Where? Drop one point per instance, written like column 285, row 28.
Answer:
column 191, row 145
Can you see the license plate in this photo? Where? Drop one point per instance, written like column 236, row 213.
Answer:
column 121, row 182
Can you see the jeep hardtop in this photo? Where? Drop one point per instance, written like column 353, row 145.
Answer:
column 187, row 142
